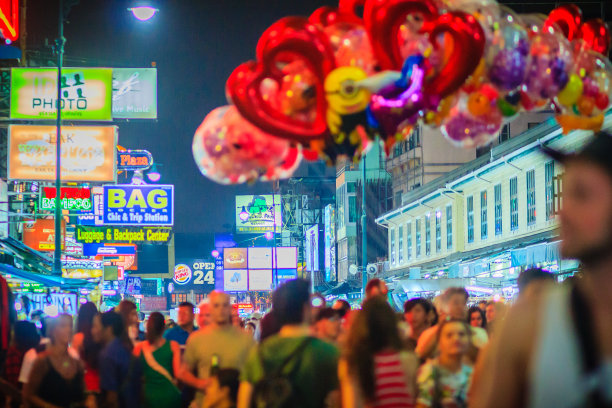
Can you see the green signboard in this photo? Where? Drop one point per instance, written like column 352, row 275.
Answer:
column 86, row 93
column 129, row 235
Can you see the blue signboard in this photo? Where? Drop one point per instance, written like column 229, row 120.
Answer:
column 108, row 250
column 138, row 205
column 194, row 274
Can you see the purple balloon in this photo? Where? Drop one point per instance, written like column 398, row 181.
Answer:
column 508, row 68
column 467, row 131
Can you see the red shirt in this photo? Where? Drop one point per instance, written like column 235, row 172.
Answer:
column 14, row 358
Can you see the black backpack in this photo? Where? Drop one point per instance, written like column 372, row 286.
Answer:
column 275, row 390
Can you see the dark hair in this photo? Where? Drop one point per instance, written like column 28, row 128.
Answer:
column 115, row 322
column 482, row 315
column 229, row 377
column 155, row 326
column 289, row 301
column 426, row 304
column 187, row 304
column 372, row 284
column 344, row 308
column 451, row 320
column 269, row 325
column 532, row 275
column 25, row 335
column 91, row 350
column 455, row 291
column 373, row 330
column 125, row 308
column 436, row 317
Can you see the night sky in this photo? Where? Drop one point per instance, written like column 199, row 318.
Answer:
column 196, row 44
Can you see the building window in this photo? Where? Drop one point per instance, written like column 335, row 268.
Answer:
column 400, row 247
column 531, row 125
column 449, row 228
column 438, row 231
column 350, row 187
column 531, row 197
column 483, row 215
column 352, row 202
column 398, row 198
column 418, row 238
column 393, row 247
column 409, row 240
column 428, row 234
column 514, row 222
column 470, row 219
column 550, row 189
column 498, row 209
column 505, row 133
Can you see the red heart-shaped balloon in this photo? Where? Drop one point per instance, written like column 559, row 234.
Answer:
column 568, row 18
column 350, row 6
column 596, row 34
column 286, row 40
column 468, row 47
column 383, row 20
column 326, row 16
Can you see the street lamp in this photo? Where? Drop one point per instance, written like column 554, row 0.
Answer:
column 143, row 13
column 153, row 174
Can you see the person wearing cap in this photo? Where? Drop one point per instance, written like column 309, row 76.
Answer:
column 327, row 325
column 554, row 349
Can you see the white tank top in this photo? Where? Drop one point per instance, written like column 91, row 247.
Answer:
column 556, row 375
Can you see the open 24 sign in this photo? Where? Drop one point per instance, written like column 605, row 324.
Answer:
column 197, row 275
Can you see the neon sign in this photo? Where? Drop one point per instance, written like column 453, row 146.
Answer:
column 134, row 160
column 72, row 198
column 9, row 19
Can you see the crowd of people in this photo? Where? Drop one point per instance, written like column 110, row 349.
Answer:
column 552, row 348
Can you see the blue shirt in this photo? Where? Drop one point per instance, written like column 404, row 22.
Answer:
column 120, row 372
column 177, row 334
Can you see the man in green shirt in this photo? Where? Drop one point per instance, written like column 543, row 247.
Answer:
column 312, row 370
column 219, row 344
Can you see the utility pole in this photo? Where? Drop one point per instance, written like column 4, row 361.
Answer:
column 364, row 233
column 57, row 261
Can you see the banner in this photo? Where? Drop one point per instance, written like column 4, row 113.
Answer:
column 40, row 234
column 258, row 213
column 138, row 205
column 135, row 93
column 86, row 93
column 88, row 153
column 82, row 268
column 150, row 235
column 108, row 250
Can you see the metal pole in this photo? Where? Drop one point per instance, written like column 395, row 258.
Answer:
column 57, row 263
column 364, row 233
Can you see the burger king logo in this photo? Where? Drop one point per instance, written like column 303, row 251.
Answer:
column 182, row 274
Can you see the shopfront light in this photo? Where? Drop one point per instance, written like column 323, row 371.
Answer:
column 143, row 13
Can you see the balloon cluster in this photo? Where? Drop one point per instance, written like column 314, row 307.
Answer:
column 332, row 84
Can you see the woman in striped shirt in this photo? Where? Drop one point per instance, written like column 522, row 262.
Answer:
column 375, row 372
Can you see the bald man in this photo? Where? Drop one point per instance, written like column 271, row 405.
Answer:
column 218, row 344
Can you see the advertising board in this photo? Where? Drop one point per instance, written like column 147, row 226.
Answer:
column 134, row 159
column 235, row 280
column 9, row 19
column 235, row 258
column 109, row 249
column 330, row 243
column 195, row 274
column 311, row 248
column 260, row 279
column 40, row 234
column 86, row 93
column 258, row 213
column 4, row 210
column 71, row 198
column 286, row 257
column 88, row 153
column 260, row 258
column 138, row 205
column 135, row 93
column 97, row 235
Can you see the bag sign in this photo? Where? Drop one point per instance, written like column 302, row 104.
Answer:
column 138, row 205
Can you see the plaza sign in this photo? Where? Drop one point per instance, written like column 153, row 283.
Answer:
column 136, row 235
column 135, row 93
column 134, row 160
column 72, row 199
column 138, row 205
column 86, row 93
column 88, row 153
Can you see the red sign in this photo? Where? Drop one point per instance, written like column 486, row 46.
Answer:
column 67, row 192
column 120, row 273
column 40, row 234
column 9, row 19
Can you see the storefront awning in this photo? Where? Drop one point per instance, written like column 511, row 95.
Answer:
column 46, row 280
column 434, row 285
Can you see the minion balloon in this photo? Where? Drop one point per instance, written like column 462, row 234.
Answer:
column 346, row 113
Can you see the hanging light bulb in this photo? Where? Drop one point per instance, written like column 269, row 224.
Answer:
column 143, row 13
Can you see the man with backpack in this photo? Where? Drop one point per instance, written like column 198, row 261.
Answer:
column 291, row 368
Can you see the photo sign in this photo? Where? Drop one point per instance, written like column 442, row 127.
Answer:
column 135, row 93
column 136, row 235
column 138, row 205
column 88, row 153
column 86, row 93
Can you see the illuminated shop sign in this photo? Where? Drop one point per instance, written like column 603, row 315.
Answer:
column 135, row 93
column 9, row 19
column 88, row 153
column 197, row 275
column 138, row 205
column 72, row 198
column 258, row 213
column 134, row 160
column 86, row 93
column 153, row 235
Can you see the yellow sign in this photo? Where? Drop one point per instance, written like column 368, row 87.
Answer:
column 88, row 153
